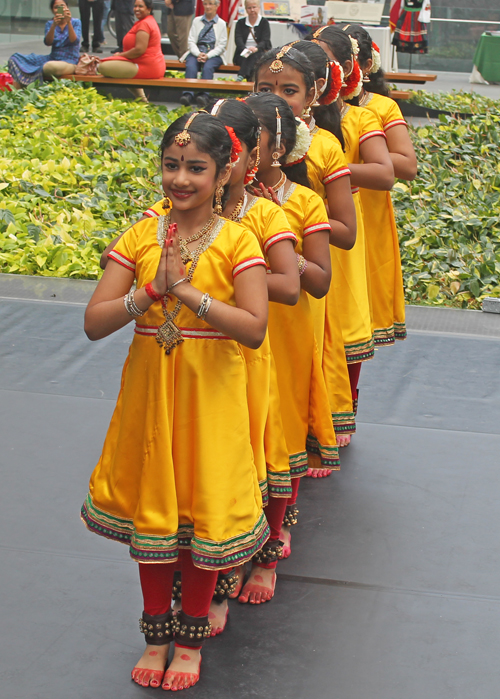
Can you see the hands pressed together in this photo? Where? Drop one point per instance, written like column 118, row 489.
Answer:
column 171, row 268
column 266, row 193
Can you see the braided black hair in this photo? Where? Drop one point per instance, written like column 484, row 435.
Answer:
column 209, row 135
column 340, row 45
column 326, row 116
column 264, row 105
column 241, row 118
column 377, row 80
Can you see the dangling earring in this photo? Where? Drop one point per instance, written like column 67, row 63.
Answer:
column 315, row 100
column 366, row 78
column 276, row 156
column 250, row 176
column 218, row 199
column 306, row 111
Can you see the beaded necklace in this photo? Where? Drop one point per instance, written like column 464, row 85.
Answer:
column 168, row 335
column 236, row 213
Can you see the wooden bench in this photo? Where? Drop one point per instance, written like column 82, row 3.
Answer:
column 398, row 77
column 189, row 84
column 179, row 83
column 417, row 78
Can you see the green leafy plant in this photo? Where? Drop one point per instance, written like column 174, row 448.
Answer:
column 75, row 170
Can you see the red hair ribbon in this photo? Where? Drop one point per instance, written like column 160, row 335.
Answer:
column 236, row 149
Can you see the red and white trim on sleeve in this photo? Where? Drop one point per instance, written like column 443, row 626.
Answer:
column 151, row 213
column 342, row 172
column 316, row 228
column 278, row 237
column 354, row 190
column 395, row 122
column 370, row 134
column 122, row 260
column 246, row 264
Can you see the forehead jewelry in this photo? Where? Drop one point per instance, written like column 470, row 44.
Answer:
column 277, row 65
column 184, row 137
column 318, row 31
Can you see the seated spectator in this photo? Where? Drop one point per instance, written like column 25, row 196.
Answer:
column 142, row 56
column 253, row 38
column 207, row 43
column 63, row 34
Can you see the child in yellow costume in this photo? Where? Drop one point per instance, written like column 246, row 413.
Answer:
column 329, row 178
column 384, row 260
column 177, row 480
column 304, row 401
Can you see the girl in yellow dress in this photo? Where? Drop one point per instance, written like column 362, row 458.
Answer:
column 270, row 226
column 329, row 177
column 371, row 167
column 176, row 480
column 304, row 400
column 384, row 260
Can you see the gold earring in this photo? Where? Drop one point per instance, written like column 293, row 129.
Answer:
column 306, row 111
column 218, row 199
column 276, row 159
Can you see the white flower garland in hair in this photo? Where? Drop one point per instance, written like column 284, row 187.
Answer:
column 355, row 46
column 302, row 143
column 376, row 61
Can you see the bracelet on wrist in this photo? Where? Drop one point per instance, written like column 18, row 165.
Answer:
column 179, row 281
column 152, row 293
column 130, row 305
column 204, row 307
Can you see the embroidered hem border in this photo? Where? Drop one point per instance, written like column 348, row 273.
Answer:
column 264, row 492
column 387, row 336
column 209, row 555
column 360, row 351
column 279, row 484
column 298, row 464
column 329, row 455
column 344, row 423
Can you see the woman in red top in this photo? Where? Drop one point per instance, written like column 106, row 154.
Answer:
column 142, row 56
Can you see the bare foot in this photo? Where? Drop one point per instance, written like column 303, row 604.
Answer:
column 240, row 572
column 343, row 440
column 259, row 587
column 318, row 472
column 286, row 538
column 150, row 669
column 217, row 616
column 184, row 670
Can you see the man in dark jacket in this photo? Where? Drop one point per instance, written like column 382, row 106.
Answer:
column 252, row 37
column 124, row 20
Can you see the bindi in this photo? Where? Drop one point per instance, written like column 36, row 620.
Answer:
column 182, row 158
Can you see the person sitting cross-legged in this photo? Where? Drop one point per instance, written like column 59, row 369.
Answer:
column 207, row 43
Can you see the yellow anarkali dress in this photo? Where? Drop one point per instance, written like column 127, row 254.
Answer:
column 177, row 467
column 384, row 259
column 305, row 408
column 326, row 162
column 269, row 225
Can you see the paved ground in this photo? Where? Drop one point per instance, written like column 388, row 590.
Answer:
column 391, row 591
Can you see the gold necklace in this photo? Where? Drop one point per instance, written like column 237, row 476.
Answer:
column 183, row 242
column 168, row 335
column 278, row 184
column 235, row 216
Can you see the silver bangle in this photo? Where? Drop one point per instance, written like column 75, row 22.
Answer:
column 130, row 305
column 205, row 303
column 179, row 281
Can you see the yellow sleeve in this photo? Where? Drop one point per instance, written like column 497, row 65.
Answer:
column 335, row 161
column 155, row 210
column 275, row 227
column 393, row 116
column 369, row 125
column 316, row 217
column 247, row 253
column 125, row 251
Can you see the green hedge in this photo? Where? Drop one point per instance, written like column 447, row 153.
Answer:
column 75, row 169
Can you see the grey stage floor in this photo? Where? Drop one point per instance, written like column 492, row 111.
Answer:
column 392, row 590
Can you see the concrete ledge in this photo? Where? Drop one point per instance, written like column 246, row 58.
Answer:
column 420, row 318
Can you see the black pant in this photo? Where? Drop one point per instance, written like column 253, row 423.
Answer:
column 124, row 19
column 247, row 65
column 97, row 8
